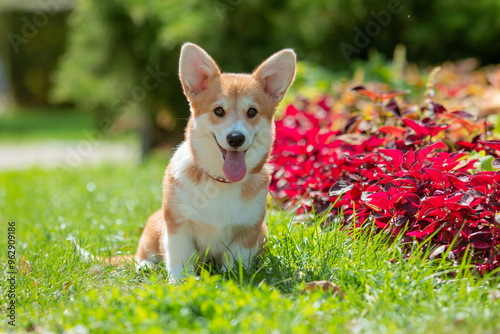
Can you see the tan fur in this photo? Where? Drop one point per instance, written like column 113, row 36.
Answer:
column 253, row 185
column 170, row 184
column 187, row 135
column 249, row 237
column 195, row 174
column 149, row 244
column 170, row 220
column 262, row 163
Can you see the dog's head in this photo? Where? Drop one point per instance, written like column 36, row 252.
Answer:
column 231, row 128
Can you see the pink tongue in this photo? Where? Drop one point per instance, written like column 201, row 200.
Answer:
column 234, row 165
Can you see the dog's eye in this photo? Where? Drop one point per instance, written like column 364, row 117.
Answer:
column 219, row 112
column 251, row 113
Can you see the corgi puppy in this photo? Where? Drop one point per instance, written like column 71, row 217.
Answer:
column 215, row 186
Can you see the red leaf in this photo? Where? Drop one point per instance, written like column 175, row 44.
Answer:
column 394, row 156
column 378, row 201
column 392, row 130
column 428, row 230
column 468, row 145
column 356, row 193
column 435, row 213
column 433, row 202
column 363, row 91
column 435, row 130
column 494, row 144
column 422, row 153
column 371, row 143
column 482, row 178
column 457, row 182
column 481, row 244
column 410, row 157
column 416, row 234
column 419, row 129
column 437, row 108
column 435, row 175
column 393, row 107
column 407, row 179
column 462, row 114
column 412, row 140
column 378, row 96
column 392, row 94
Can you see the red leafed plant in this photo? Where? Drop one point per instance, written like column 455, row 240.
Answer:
column 407, row 169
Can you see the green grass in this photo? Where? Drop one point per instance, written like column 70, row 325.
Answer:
column 105, row 208
column 34, row 124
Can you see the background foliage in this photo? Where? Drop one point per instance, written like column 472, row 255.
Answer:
column 31, row 63
column 112, row 43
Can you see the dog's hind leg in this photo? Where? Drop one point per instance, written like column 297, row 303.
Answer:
column 150, row 251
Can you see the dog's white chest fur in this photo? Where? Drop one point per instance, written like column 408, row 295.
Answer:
column 212, row 203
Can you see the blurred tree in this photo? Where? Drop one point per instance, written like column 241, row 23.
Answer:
column 3, row 79
column 33, row 37
column 33, row 60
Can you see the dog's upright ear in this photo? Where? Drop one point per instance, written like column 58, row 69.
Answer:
column 196, row 69
column 276, row 73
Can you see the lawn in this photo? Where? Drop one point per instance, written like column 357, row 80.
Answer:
column 106, row 206
column 34, row 124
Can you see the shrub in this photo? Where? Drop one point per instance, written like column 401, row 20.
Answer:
column 418, row 169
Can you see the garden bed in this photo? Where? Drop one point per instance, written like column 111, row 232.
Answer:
column 421, row 169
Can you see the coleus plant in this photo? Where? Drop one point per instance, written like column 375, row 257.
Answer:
column 410, row 169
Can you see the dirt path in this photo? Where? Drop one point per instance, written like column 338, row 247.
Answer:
column 53, row 154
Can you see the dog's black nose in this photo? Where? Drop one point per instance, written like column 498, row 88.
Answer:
column 235, row 139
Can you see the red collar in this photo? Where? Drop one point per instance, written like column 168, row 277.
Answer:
column 219, row 179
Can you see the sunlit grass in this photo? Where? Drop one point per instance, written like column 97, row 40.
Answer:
column 49, row 124
column 105, row 208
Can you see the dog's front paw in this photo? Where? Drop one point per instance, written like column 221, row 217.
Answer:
column 177, row 274
column 173, row 280
column 145, row 265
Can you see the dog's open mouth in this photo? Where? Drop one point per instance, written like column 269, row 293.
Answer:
column 234, row 167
